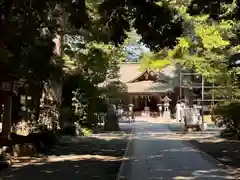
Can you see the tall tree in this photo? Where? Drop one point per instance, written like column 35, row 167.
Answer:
column 206, row 48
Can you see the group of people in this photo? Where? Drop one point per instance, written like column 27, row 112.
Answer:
column 181, row 108
column 125, row 114
column 164, row 107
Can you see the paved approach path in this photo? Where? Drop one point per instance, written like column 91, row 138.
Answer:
column 155, row 152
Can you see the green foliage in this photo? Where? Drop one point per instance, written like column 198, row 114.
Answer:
column 27, row 32
column 216, row 9
column 67, row 115
column 95, row 60
column 155, row 61
column 227, row 114
column 81, row 102
column 87, row 132
column 146, row 17
column 115, row 93
column 94, row 27
column 26, row 36
column 206, row 46
column 69, row 130
column 96, row 63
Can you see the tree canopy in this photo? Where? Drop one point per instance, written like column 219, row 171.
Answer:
column 199, row 35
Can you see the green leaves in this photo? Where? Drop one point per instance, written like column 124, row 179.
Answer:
column 153, row 61
column 207, row 43
column 144, row 16
column 210, row 37
column 116, row 93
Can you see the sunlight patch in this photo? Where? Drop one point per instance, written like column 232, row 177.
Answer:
column 71, row 157
column 181, row 178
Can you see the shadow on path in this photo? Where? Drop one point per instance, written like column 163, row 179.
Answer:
column 226, row 151
column 79, row 158
column 160, row 157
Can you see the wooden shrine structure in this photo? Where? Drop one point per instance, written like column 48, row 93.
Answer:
column 146, row 88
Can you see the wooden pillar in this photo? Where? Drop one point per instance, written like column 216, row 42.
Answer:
column 130, row 99
column 159, row 98
column 137, row 102
column 133, row 100
column 145, row 101
column 7, row 116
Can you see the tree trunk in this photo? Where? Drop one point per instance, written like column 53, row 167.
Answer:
column 7, row 117
column 36, row 96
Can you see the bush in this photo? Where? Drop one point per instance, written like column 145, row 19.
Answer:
column 66, row 115
column 87, row 132
column 227, row 115
column 72, row 130
column 69, row 130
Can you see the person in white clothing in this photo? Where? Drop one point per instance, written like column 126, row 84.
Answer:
column 178, row 111
column 160, row 108
column 183, row 106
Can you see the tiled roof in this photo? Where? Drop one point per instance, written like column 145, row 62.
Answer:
column 131, row 71
column 148, row 86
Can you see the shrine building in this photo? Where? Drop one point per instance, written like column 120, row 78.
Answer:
column 149, row 87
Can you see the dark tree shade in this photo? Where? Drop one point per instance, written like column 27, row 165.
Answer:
column 78, row 16
column 215, row 9
column 159, row 26
column 27, row 29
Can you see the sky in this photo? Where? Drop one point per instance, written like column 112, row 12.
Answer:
column 134, row 48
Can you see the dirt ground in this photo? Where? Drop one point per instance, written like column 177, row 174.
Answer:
column 86, row 158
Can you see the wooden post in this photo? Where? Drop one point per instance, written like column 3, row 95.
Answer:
column 136, row 102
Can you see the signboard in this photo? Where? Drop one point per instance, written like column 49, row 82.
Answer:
column 6, row 86
column 9, row 87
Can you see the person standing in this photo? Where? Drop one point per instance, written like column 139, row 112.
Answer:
column 178, row 112
column 163, row 109
column 183, row 106
column 160, row 109
column 131, row 113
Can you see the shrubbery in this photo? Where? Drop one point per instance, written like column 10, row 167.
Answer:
column 227, row 115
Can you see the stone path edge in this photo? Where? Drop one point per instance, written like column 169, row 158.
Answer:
column 204, row 154
column 124, row 156
column 211, row 159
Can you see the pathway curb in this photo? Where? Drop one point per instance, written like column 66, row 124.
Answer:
column 124, row 156
column 204, row 154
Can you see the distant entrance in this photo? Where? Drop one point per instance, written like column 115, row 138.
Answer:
column 150, row 103
column 146, row 89
column 141, row 102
